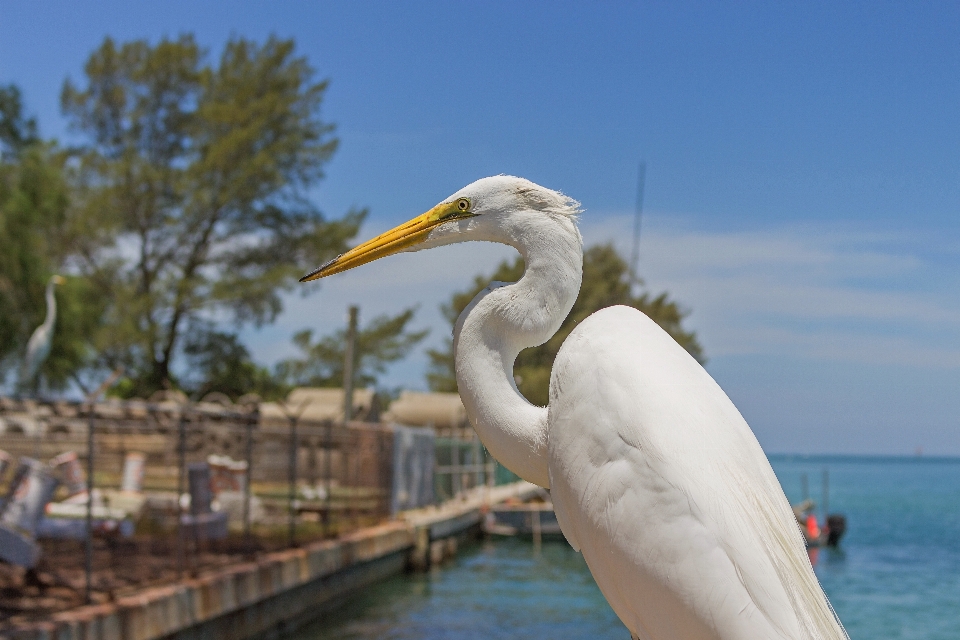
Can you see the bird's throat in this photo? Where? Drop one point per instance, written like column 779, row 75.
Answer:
column 501, row 321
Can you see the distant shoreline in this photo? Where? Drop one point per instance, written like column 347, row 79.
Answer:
column 863, row 457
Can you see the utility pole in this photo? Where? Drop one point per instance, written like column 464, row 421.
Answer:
column 635, row 253
column 349, row 358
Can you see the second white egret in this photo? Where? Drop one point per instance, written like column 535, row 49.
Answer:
column 38, row 347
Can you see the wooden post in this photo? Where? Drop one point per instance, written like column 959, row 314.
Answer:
column 349, row 359
column 826, row 494
column 537, row 535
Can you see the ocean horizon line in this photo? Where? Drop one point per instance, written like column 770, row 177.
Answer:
column 862, row 457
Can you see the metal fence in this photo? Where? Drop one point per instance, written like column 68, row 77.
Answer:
column 181, row 488
column 463, row 463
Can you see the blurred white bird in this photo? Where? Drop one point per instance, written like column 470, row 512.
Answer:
column 654, row 474
column 38, row 347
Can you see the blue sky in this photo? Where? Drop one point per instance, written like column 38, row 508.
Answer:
column 803, row 178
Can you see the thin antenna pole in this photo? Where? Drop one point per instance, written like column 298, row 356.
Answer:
column 635, row 254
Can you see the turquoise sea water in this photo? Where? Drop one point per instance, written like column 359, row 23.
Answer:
column 897, row 574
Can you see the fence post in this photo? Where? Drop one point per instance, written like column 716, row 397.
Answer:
column 293, row 417
column 88, row 547
column 88, row 550
column 328, row 472
column 455, row 464
column 247, row 488
column 357, row 463
column 491, row 468
column 292, row 524
column 181, row 470
column 383, row 505
column 476, row 460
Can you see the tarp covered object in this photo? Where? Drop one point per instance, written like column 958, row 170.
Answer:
column 413, row 456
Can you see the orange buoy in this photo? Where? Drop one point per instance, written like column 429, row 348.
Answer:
column 813, row 531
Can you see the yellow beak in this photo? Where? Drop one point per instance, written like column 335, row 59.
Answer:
column 59, row 280
column 393, row 241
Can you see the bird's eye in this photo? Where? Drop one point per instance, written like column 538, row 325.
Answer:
column 463, row 205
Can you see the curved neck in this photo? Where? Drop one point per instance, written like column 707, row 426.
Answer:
column 51, row 307
column 504, row 319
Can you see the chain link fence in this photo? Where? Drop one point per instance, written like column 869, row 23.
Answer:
column 179, row 489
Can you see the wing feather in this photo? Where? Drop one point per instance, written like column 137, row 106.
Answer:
column 660, row 482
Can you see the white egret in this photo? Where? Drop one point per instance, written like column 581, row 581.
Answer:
column 655, row 476
column 38, row 347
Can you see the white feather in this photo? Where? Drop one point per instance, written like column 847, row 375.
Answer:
column 669, row 494
column 654, row 474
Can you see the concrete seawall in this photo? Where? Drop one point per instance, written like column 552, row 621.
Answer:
column 281, row 590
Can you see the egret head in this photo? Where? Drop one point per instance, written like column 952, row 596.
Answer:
column 58, row 280
column 473, row 213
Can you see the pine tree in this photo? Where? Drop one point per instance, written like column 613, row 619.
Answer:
column 606, row 282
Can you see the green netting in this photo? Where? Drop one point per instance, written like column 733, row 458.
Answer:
column 467, row 454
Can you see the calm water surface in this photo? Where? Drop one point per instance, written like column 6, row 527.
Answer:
column 896, row 576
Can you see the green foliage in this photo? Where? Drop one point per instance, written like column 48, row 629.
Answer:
column 385, row 340
column 188, row 191
column 606, row 282
column 35, row 242
column 16, row 131
column 219, row 362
